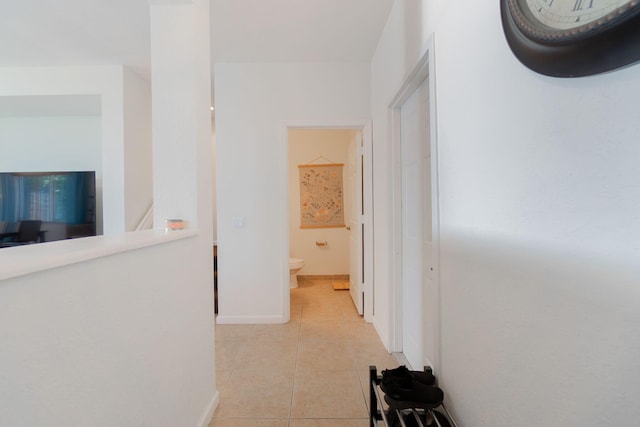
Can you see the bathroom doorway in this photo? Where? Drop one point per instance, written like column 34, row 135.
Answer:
column 340, row 247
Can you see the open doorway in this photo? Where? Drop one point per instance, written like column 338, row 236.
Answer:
column 339, row 247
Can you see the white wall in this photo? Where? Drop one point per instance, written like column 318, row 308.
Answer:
column 322, row 146
column 53, row 143
column 50, row 143
column 213, row 184
column 121, row 340
column 126, row 339
column 539, row 197
column 254, row 105
column 124, row 133
column 138, row 176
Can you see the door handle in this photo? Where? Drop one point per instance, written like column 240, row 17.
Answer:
column 348, row 227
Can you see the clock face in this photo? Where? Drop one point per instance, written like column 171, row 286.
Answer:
column 562, row 20
column 571, row 14
column 568, row 38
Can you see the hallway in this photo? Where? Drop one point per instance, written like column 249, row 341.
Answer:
column 310, row 372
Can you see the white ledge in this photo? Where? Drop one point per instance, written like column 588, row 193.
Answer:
column 21, row 260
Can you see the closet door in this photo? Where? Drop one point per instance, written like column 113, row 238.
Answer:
column 417, row 235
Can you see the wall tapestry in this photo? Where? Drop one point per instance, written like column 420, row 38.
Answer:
column 321, row 196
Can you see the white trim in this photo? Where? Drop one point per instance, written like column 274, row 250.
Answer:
column 206, row 417
column 420, row 72
column 169, row 2
column 326, row 124
column 146, row 223
column 435, row 194
column 27, row 259
column 396, row 244
column 365, row 125
column 285, row 277
column 249, row 320
column 368, row 256
column 424, row 69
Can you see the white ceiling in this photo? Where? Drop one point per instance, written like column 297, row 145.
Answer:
column 98, row 32
column 296, row 30
column 75, row 32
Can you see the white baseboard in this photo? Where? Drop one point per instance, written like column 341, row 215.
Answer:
column 245, row 320
column 205, row 419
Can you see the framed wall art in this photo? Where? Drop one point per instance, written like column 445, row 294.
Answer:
column 321, row 196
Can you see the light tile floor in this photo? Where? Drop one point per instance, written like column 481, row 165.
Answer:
column 310, row 372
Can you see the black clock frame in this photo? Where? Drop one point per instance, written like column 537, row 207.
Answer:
column 562, row 53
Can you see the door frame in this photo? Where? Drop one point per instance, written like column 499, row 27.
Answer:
column 424, row 69
column 365, row 126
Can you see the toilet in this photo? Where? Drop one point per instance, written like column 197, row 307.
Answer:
column 295, row 265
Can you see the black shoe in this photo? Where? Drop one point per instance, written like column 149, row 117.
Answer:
column 403, row 387
column 401, row 373
column 425, row 397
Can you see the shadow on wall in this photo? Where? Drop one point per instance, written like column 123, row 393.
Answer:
column 555, row 317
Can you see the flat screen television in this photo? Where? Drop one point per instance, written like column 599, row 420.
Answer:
column 65, row 202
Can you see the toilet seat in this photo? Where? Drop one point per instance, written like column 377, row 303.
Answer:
column 295, row 263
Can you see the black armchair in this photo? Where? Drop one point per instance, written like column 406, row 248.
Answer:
column 28, row 232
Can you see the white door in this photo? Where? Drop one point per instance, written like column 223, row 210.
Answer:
column 355, row 223
column 418, row 328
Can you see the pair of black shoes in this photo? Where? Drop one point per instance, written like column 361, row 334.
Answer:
column 410, row 389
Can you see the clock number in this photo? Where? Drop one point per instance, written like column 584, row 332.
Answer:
column 581, row 5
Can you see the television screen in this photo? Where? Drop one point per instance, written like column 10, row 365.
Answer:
column 65, row 203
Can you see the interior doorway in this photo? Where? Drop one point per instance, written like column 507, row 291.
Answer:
column 416, row 331
column 346, row 248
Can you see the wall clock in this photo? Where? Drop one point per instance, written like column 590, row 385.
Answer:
column 573, row 38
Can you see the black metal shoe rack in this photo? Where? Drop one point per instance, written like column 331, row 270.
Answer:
column 398, row 414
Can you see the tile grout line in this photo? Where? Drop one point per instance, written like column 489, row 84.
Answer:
column 313, row 304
